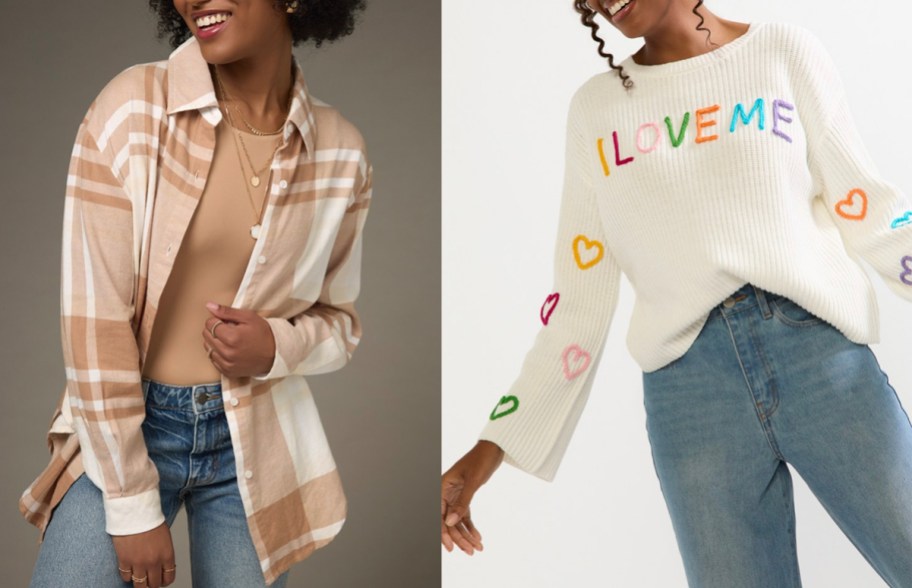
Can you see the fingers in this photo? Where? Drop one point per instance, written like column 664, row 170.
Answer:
column 125, row 571
column 140, row 578
column 445, row 536
column 459, row 536
column 169, row 573
column 155, row 577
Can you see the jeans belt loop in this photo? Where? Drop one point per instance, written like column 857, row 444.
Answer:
column 763, row 302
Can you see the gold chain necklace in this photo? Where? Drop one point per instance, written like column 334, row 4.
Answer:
column 255, row 180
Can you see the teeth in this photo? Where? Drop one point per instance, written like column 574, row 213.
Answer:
column 211, row 19
column 616, row 7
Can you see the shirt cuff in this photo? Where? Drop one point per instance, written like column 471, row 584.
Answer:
column 128, row 515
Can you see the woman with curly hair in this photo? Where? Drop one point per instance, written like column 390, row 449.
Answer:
column 211, row 259
column 720, row 169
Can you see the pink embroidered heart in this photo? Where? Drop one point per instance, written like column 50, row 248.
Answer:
column 548, row 307
column 851, row 207
column 575, row 361
column 906, row 275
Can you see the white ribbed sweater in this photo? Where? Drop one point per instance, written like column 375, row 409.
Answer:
column 739, row 165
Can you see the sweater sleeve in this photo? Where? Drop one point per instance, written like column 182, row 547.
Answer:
column 873, row 216
column 100, row 350
column 323, row 337
column 534, row 421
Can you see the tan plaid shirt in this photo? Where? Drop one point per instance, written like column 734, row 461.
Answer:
column 145, row 146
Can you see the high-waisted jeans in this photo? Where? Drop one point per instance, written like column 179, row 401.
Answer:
column 187, row 437
column 765, row 384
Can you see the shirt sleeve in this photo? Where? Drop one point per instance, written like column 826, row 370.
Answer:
column 100, row 350
column 323, row 337
column 534, row 421
column 873, row 216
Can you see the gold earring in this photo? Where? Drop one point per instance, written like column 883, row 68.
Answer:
column 292, row 7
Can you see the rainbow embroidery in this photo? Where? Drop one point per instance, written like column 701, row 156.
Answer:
column 649, row 135
column 905, row 219
column 906, row 275
column 575, row 361
column 854, row 206
column 548, row 307
column 586, row 252
column 507, row 405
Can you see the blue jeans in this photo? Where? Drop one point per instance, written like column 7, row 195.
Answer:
column 766, row 384
column 187, row 437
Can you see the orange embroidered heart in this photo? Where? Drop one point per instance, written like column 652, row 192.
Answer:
column 583, row 254
column 852, row 208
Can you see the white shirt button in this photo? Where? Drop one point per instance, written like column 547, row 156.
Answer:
column 248, row 474
column 261, row 259
column 234, row 402
column 283, row 184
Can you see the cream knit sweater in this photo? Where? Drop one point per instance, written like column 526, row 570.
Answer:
column 739, row 165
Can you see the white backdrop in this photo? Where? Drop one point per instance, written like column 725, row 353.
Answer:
column 509, row 69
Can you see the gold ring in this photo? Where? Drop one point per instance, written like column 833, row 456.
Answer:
column 126, row 571
column 215, row 324
column 170, row 569
column 135, row 579
column 211, row 349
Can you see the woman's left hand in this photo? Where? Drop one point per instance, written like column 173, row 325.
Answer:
column 243, row 344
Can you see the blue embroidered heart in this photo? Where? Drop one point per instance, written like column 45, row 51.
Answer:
column 902, row 221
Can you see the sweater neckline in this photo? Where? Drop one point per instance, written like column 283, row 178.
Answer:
column 695, row 62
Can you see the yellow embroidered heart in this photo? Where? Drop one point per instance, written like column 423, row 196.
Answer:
column 587, row 252
column 850, row 208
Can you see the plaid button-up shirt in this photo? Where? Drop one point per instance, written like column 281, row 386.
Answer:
column 138, row 168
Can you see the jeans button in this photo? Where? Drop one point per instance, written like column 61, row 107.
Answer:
column 728, row 302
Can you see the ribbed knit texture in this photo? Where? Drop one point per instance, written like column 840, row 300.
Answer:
column 739, row 165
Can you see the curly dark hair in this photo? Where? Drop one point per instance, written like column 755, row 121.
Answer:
column 314, row 20
column 587, row 16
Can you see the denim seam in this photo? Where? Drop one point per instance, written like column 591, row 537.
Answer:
column 766, row 432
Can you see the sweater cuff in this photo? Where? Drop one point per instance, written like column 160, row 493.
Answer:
column 128, row 515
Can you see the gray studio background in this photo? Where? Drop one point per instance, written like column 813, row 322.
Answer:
column 381, row 412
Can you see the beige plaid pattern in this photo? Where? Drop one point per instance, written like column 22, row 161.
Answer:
column 138, row 168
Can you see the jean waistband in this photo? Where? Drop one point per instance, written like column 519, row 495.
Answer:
column 748, row 296
column 195, row 398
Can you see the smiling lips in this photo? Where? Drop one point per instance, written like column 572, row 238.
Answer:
column 211, row 19
column 616, row 10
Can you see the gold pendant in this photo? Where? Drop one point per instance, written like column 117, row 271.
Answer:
column 255, row 231
column 255, row 180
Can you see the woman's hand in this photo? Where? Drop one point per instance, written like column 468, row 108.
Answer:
column 243, row 344
column 146, row 555
column 458, row 486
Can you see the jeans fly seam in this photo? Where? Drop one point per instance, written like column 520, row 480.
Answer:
column 750, row 390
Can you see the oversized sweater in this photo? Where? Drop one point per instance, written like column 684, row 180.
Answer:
column 739, row 165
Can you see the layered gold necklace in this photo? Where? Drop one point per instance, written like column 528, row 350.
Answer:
column 255, row 174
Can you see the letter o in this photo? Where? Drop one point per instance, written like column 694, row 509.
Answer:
column 655, row 140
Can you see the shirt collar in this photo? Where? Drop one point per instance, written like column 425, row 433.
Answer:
column 190, row 88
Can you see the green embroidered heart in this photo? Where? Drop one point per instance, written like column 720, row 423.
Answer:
column 513, row 401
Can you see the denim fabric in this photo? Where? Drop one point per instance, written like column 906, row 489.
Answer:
column 187, row 437
column 767, row 384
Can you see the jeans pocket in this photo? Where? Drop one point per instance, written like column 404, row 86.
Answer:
column 793, row 314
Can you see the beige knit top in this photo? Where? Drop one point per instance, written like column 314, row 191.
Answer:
column 211, row 259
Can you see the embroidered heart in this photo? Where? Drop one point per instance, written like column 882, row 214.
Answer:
column 548, row 307
column 514, row 404
column 575, row 361
column 851, row 207
column 587, row 253
column 906, row 275
column 902, row 221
